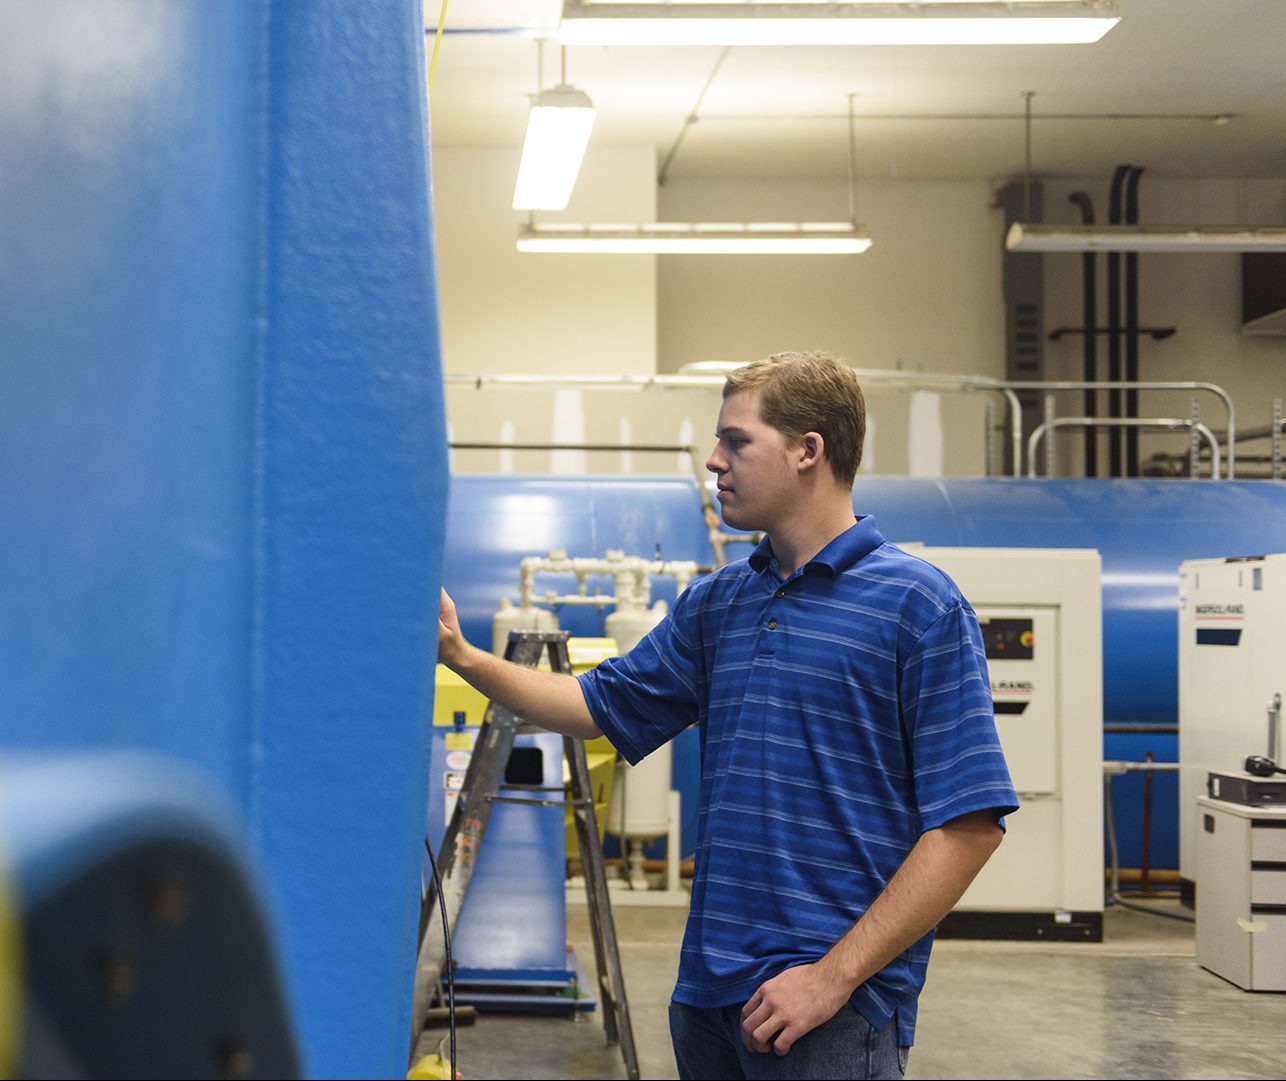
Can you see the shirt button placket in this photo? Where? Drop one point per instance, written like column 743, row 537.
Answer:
column 768, row 644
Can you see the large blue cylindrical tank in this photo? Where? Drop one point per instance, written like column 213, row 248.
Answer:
column 223, row 458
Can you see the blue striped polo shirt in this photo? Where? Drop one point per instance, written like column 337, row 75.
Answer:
column 843, row 711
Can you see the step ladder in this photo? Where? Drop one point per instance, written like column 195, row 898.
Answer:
column 483, row 781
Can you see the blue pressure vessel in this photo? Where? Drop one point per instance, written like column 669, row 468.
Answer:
column 1143, row 529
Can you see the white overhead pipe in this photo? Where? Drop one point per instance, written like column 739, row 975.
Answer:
column 711, row 374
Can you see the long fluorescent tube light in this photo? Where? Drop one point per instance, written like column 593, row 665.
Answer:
column 698, row 238
column 1136, row 238
column 962, row 22
column 558, row 130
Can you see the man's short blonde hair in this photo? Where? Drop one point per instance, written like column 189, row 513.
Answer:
column 810, row 392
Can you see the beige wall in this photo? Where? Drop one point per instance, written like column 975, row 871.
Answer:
column 503, row 311
column 925, row 297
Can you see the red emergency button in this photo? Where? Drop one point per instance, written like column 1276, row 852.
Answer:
column 1026, row 639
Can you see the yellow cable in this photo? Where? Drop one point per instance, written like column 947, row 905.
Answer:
column 10, row 978
column 437, row 44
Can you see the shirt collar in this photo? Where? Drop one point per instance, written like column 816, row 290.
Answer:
column 846, row 550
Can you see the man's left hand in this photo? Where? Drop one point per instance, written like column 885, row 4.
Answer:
column 789, row 1006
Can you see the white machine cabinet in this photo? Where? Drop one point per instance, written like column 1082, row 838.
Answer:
column 1232, row 664
column 1241, row 926
column 1041, row 616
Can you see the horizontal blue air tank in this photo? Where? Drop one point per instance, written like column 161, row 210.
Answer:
column 1143, row 528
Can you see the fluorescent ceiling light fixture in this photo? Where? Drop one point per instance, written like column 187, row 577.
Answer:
column 1138, row 238
column 933, row 22
column 558, row 130
column 698, row 238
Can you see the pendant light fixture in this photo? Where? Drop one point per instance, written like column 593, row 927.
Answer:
column 697, row 238
column 1128, row 238
column 558, row 128
column 1025, row 236
column 709, row 238
column 865, row 22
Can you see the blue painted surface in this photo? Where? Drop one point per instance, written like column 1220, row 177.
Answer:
column 1128, row 799
column 62, row 812
column 222, row 427
column 128, row 239
column 1143, row 528
column 515, row 916
column 88, row 839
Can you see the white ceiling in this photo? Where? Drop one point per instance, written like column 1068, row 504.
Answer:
column 1148, row 93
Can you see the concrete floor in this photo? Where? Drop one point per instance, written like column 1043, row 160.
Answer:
column 1134, row 1006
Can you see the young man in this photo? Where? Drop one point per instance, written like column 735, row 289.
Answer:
column 852, row 783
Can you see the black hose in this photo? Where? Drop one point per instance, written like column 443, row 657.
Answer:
column 1115, row 468
column 1089, row 318
column 1114, row 890
column 1132, row 324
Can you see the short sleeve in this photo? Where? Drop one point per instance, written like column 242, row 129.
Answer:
column 949, row 722
column 650, row 694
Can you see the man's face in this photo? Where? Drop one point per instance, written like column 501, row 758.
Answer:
column 757, row 478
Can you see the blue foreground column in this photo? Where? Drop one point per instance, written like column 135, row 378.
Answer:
column 222, row 444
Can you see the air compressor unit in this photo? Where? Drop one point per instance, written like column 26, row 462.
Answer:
column 1040, row 611
column 1232, row 676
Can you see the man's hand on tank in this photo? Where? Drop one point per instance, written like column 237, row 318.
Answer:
column 789, row 1006
column 450, row 638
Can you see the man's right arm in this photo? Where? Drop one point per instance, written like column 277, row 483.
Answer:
column 549, row 700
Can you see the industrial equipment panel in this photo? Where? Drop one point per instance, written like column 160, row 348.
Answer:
column 1021, row 654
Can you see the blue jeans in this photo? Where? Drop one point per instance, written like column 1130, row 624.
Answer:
column 708, row 1047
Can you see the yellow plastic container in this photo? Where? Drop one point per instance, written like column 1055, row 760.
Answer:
column 453, row 695
column 584, row 654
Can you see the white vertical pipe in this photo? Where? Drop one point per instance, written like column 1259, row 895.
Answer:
column 569, row 427
column 925, row 443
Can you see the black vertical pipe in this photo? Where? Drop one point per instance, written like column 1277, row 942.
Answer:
column 1089, row 318
column 1114, row 323
column 1132, row 324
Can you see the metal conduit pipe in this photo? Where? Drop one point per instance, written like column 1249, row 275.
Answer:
column 950, row 381
column 947, row 381
column 1113, row 769
column 1159, row 423
column 1249, row 435
column 1230, row 438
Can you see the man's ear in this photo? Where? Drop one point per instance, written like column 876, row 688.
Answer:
column 812, row 450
